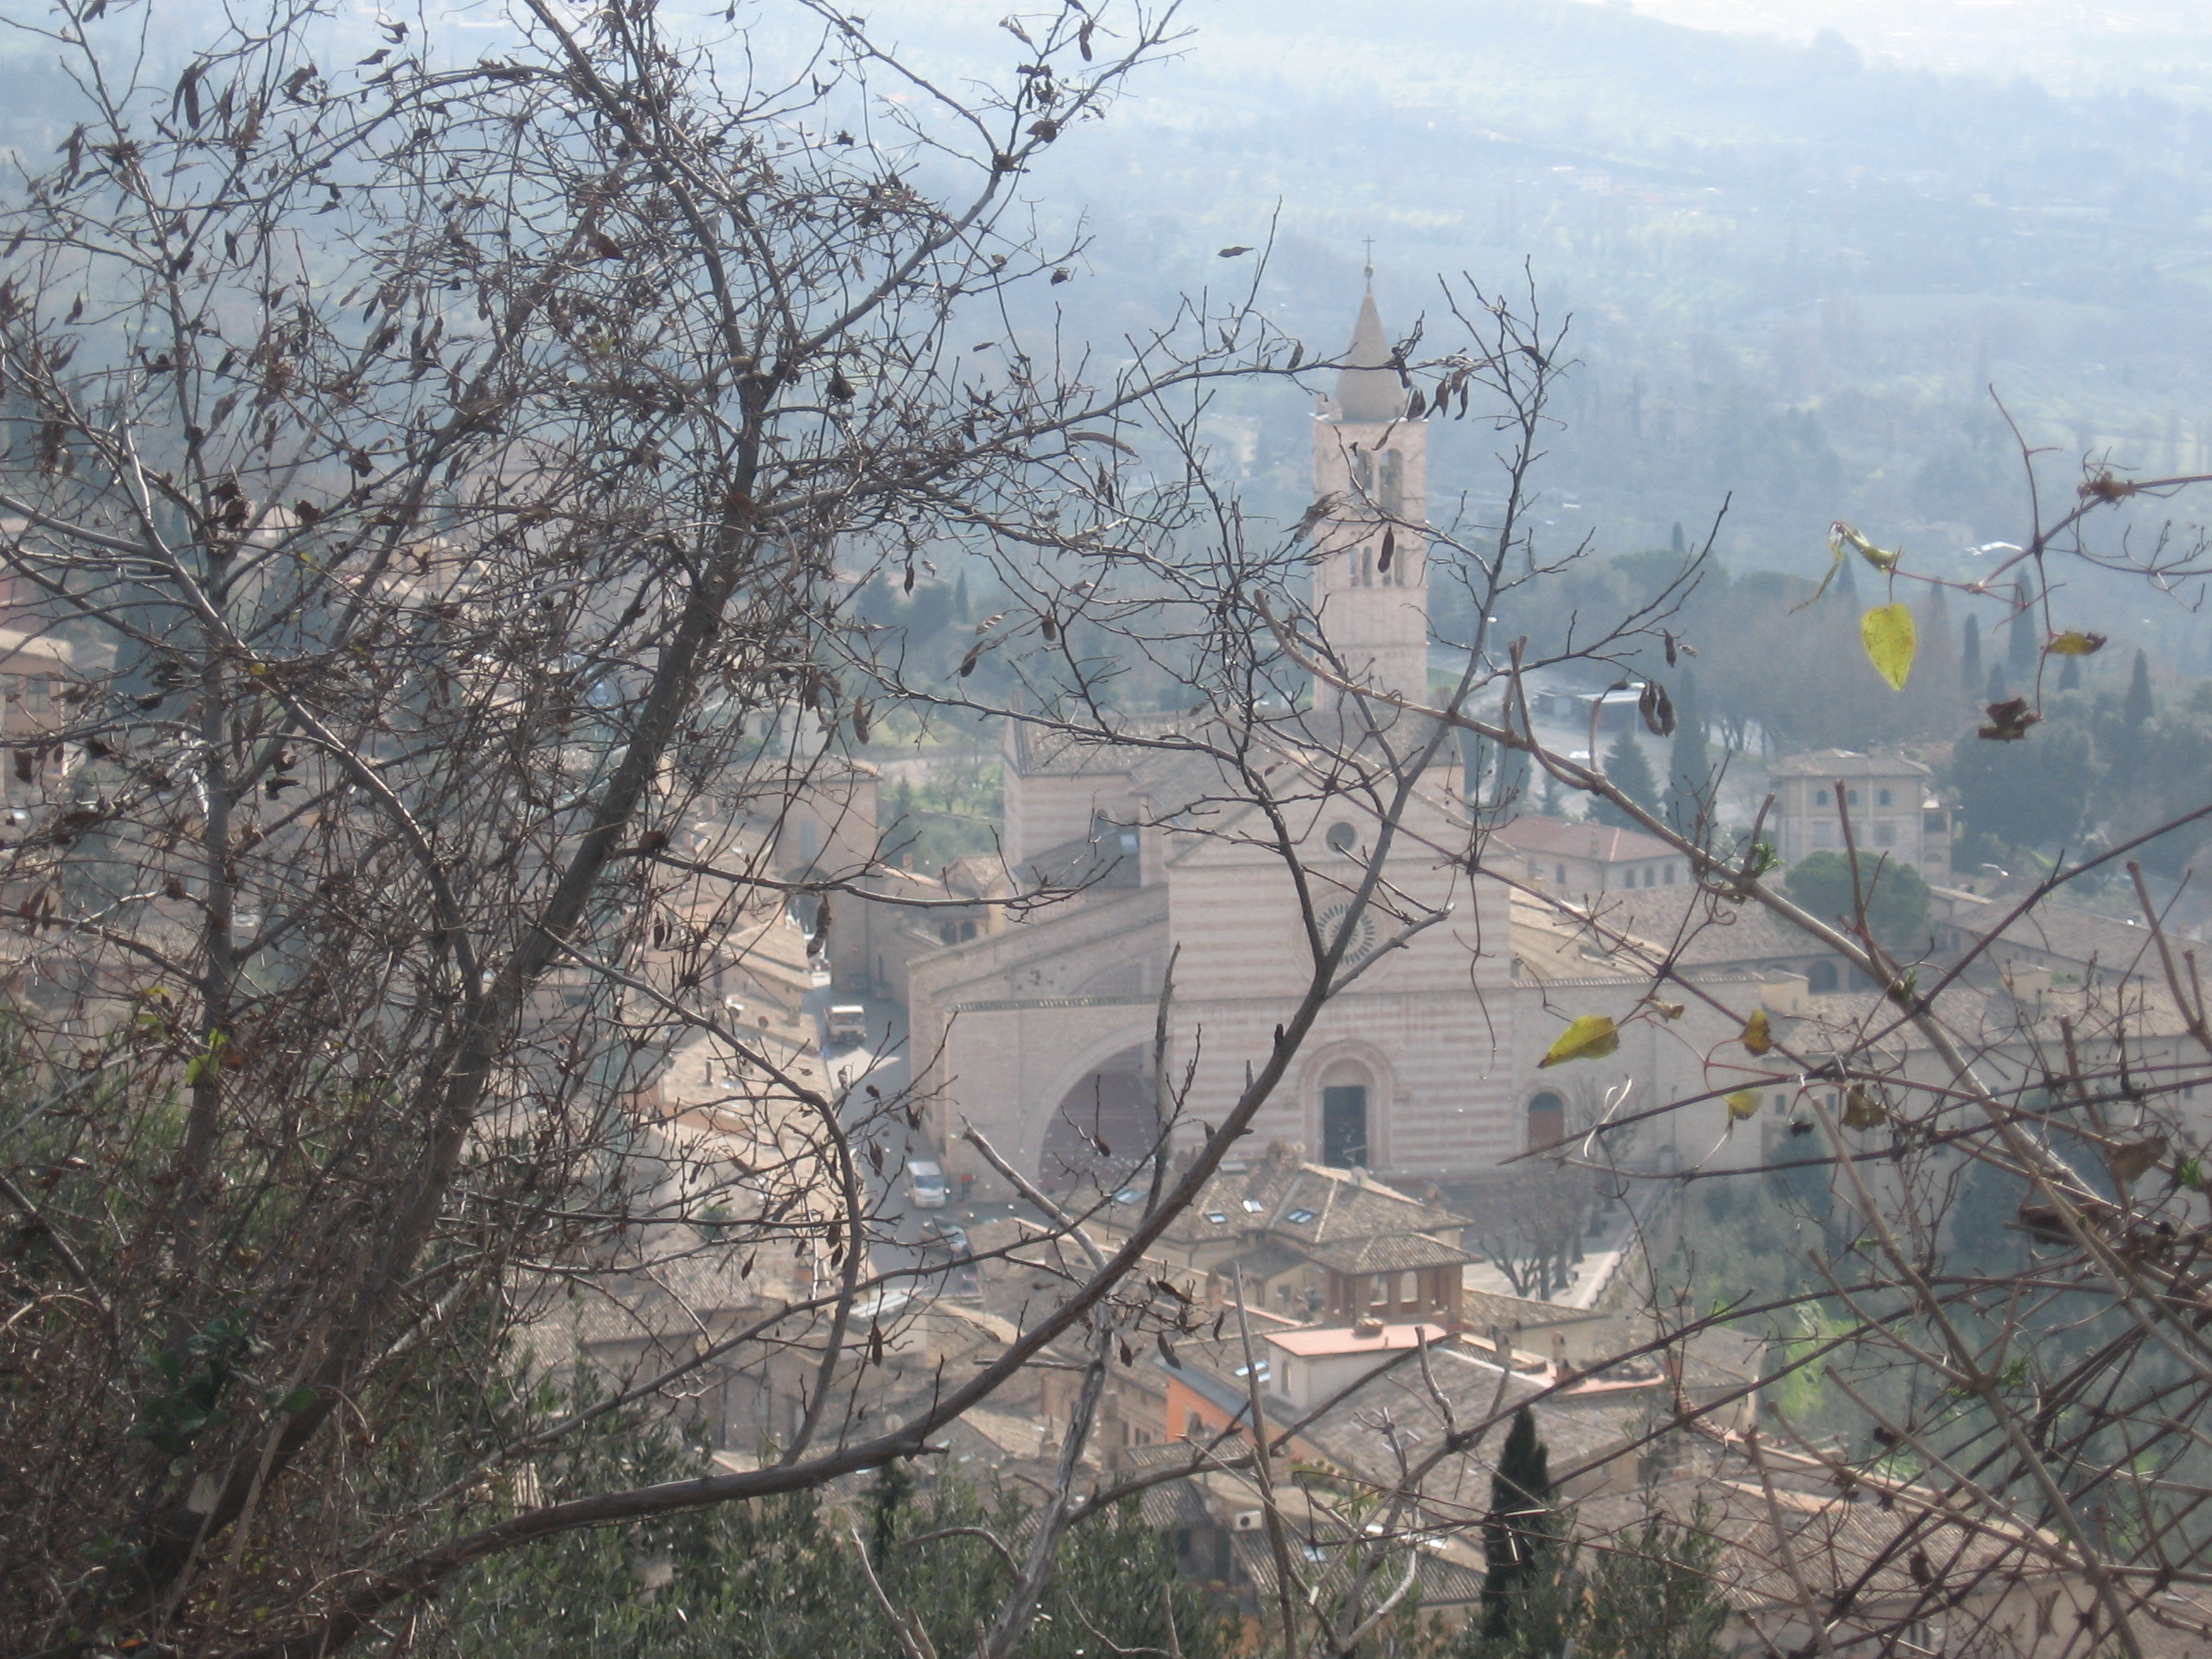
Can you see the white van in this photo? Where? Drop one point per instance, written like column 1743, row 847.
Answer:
column 925, row 1184
column 848, row 1024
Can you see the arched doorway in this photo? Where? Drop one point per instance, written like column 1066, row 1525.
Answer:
column 1345, row 1088
column 1103, row 1127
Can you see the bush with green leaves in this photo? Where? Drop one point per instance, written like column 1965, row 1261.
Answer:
column 782, row 1578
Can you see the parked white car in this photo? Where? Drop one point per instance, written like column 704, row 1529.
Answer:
column 925, row 1184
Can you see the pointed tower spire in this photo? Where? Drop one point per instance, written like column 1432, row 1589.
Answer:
column 1367, row 387
column 1371, row 582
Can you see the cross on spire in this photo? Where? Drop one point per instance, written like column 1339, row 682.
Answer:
column 1369, row 240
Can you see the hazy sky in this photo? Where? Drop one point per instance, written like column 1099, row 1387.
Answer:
column 2162, row 43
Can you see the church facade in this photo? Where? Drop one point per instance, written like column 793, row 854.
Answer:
column 1042, row 1034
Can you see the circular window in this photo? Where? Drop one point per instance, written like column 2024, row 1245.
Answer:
column 1366, row 932
column 1343, row 838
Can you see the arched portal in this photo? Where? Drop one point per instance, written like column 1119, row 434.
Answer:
column 1345, row 1088
column 1103, row 1127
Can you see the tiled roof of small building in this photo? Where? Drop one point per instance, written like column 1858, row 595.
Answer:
column 1848, row 764
column 1388, row 1253
column 1480, row 1310
column 1580, row 838
column 2066, row 931
column 1308, row 1203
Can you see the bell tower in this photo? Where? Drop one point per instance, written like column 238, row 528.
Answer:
column 1371, row 566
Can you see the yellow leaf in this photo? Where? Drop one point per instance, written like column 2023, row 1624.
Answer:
column 1861, row 1110
column 1756, row 1036
column 1743, row 1103
column 2072, row 644
column 1590, row 1037
column 1891, row 641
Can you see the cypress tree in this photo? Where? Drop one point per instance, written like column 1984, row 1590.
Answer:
column 1970, row 655
column 2022, row 645
column 2139, row 709
column 2135, row 712
column 1689, row 771
column 1516, row 1526
column 1681, row 543
column 1626, row 766
column 960, row 598
column 1994, row 692
column 2069, row 677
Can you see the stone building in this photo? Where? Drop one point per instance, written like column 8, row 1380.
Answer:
column 1040, row 1033
column 1572, row 856
column 1890, row 802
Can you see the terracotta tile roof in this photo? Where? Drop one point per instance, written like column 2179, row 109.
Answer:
column 1388, row 1253
column 1334, row 1339
column 1577, row 838
column 2071, row 935
column 1480, row 1310
column 1848, row 764
column 1836, row 1543
column 1306, row 1205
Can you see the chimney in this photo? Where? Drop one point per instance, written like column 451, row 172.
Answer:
column 2027, row 985
column 1784, row 994
column 1367, row 1327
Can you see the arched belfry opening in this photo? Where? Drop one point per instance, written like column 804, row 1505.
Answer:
column 1103, row 1127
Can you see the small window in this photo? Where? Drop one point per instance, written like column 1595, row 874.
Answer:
column 1821, row 978
column 1299, row 1216
column 1670, row 874
column 967, row 931
column 949, row 933
column 1884, row 797
column 1851, row 797
column 1253, row 1206
column 1263, row 1369
column 1561, row 874
column 1219, row 1217
column 1651, row 875
column 1378, row 1290
column 1819, row 797
column 1343, row 838
column 1409, row 1289
column 1193, row 1425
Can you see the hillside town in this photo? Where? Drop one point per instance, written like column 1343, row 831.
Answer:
column 1426, row 1227
column 1181, row 832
